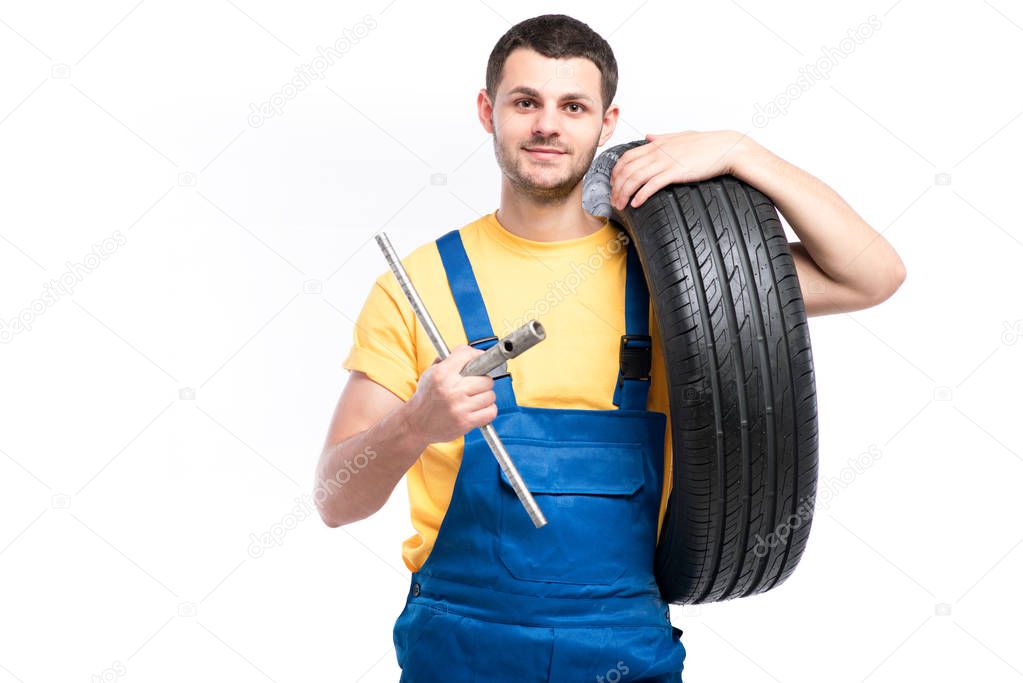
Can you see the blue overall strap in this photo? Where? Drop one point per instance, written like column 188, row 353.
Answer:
column 471, row 309
column 635, row 350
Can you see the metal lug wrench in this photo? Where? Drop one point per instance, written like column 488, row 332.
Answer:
column 518, row 341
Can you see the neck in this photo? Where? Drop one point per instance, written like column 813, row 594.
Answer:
column 546, row 221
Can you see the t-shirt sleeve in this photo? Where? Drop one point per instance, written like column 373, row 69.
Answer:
column 383, row 341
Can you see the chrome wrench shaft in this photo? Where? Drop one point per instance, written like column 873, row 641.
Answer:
column 489, row 433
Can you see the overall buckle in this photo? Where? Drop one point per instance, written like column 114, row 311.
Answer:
column 635, row 354
column 474, row 342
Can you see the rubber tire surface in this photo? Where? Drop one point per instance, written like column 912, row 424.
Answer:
column 741, row 387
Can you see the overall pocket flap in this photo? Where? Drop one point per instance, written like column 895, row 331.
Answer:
column 579, row 467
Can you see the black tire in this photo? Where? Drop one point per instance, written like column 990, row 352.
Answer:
column 742, row 396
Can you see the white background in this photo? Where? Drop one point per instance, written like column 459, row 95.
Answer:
column 172, row 407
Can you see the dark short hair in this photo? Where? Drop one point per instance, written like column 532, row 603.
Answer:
column 556, row 36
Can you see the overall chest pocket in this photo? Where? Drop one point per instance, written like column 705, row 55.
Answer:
column 588, row 492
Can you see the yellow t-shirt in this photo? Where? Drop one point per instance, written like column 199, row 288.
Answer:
column 575, row 288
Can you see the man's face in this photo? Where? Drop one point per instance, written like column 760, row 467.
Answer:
column 546, row 103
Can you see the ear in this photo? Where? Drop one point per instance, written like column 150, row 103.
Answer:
column 608, row 126
column 485, row 110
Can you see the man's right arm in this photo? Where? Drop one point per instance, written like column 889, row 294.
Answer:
column 375, row 436
column 369, row 421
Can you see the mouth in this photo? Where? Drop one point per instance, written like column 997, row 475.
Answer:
column 544, row 152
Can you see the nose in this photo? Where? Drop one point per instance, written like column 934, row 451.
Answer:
column 546, row 124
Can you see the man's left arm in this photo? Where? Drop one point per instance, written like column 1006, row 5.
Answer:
column 842, row 263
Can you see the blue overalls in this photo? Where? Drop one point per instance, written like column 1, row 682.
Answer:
column 576, row 600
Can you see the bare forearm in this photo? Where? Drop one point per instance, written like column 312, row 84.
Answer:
column 355, row 477
column 842, row 244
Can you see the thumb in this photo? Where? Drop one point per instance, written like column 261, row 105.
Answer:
column 465, row 350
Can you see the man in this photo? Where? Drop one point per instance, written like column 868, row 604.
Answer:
column 491, row 597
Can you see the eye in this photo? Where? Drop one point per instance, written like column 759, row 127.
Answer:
column 521, row 101
column 576, row 104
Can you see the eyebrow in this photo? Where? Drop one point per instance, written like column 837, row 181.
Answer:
column 531, row 92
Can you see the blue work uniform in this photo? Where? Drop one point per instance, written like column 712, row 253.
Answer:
column 575, row 600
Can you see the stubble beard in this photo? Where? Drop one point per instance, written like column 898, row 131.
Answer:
column 514, row 164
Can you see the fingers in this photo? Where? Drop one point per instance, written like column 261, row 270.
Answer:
column 628, row 163
column 636, row 175
column 465, row 353
column 480, row 398
column 476, row 384
column 459, row 356
column 660, row 180
column 484, row 416
column 451, row 374
column 480, row 401
column 622, row 165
